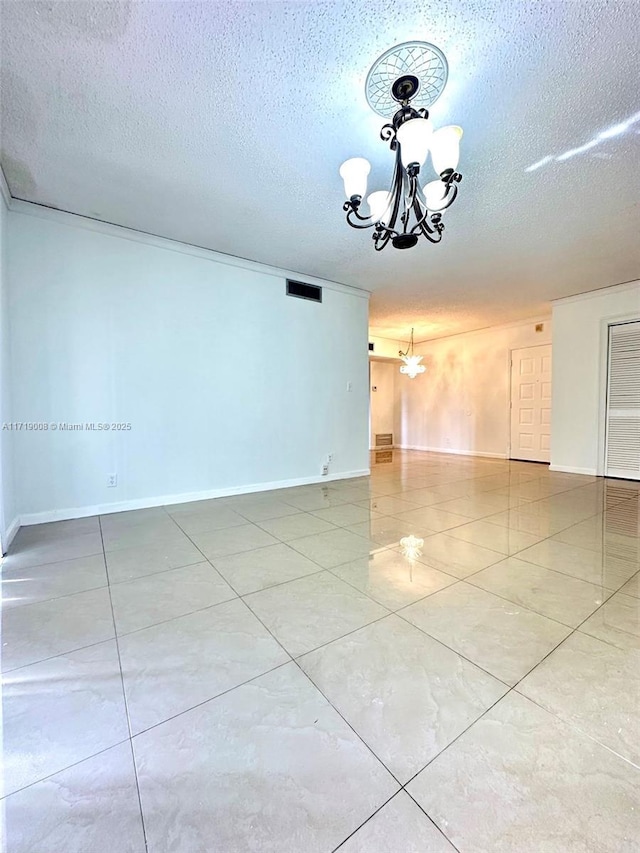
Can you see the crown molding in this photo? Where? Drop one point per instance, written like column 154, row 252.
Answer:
column 546, row 318
column 601, row 291
column 5, row 192
column 75, row 220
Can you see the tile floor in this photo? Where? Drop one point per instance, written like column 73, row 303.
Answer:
column 285, row 672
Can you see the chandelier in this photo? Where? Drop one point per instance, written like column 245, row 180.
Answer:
column 401, row 84
column 411, row 366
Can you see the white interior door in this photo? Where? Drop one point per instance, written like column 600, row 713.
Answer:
column 622, row 455
column 531, row 403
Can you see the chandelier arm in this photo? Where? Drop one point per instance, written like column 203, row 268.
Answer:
column 366, row 219
column 432, row 236
column 381, row 240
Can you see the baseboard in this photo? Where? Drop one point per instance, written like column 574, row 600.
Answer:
column 165, row 500
column 452, row 451
column 569, row 469
column 10, row 533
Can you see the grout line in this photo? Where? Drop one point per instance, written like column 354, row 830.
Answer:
column 124, row 699
column 62, row 770
column 426, row 813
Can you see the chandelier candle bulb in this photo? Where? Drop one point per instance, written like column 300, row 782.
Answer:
column 354, row 173
column 445, row 148
column 379, row 203
column 413, row 137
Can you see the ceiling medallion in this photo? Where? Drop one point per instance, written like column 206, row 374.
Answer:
column 411, row 366
column 405, row 80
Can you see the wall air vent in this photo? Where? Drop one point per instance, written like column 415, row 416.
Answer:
column 304, row 291
column 384, row 439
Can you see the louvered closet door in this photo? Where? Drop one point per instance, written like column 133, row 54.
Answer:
column 623, row 402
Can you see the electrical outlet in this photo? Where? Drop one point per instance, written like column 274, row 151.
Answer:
column 329, row 457
column 325, row 470
column 112, row 481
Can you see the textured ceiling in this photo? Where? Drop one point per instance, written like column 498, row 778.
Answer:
column 223, row 124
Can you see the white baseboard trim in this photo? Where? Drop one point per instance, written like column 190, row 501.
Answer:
column 188, row 497
column 450, row 450
column 569, row 469
column 10, row 533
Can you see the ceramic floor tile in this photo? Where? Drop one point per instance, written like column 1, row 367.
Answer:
column 35, row 534
column 388, row 531
column 132, row 518
column 91, row 807
column 433, row 518
column 264, row 567
column 178, row 664
column 616, row 622
column 305, row 613
column 296, row 526
column 388, row 505
column 529, row 783
column 143, row 521
column 156, row 598
column 207, row 520
column 406, row 695
column 456, row 557
column 248, row 773
column 334, row 547
column 61, row 711
column 560, row 597
column 134, row 563
column 153, row 533
column 257, row 509
column 494, row 537
column 515, row 519
column 346, row 514
column 392, row 579
column 49, row 628
column 632, row 587
column 471, row 508
column 312, row 498
column 582, row 563
column 399, row 827
column 233, row 540
column 52, row 580
column 53, row 551
column 595, row 687
column 476, row 623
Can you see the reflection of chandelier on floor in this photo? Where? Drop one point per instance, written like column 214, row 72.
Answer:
column 410, row 76
column 411, row 366
column 411, row 547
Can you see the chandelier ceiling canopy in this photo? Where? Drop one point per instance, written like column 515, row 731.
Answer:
column 401, row 84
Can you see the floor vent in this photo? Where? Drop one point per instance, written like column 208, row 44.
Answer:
column 384, row 439
column 304, row 291
column 384, row 456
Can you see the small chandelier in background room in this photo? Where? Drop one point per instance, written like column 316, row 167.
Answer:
column 411, row 366
column 401, row 84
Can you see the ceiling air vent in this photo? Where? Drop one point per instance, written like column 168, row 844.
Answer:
column 304, row 291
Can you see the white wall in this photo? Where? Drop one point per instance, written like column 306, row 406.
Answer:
column 461, row 403
column 8, row 510
column 382, row 377
column 579, row 373
column 228, row 383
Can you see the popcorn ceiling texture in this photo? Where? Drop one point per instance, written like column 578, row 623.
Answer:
column 223, row 124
